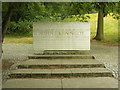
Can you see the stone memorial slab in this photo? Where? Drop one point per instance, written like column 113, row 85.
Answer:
column 61, row 36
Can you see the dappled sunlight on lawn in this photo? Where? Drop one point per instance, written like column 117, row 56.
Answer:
column 18, row 40
column 110, row 29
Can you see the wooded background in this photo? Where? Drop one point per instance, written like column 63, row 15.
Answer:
column 17, row 17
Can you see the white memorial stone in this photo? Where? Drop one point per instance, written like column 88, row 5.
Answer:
column 61, row 36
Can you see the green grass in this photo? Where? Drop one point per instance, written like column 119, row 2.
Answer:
column 110, row 31
column 18, row 39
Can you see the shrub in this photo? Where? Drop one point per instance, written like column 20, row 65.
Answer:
column 19, row 28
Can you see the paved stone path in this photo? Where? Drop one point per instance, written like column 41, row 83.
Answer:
column 104, row 82
column 88, row 70
column 106, row 54
column 94, row 70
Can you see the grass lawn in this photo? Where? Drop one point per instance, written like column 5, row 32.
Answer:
column 18, row 39
column 110, row 29
column 110, row 32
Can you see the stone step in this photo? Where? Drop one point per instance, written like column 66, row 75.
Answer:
column 65, row 63
column 55, row 73
column 65, row 52
column 60, row 56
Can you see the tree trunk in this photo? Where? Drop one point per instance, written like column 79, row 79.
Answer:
column 100, row 30
column 6, row 21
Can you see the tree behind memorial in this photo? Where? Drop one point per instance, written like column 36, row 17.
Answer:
column 17, row 11
column 103, row 8
column 56, row 11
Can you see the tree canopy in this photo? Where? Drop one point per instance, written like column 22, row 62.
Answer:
column 18, row 16
column 103, row 8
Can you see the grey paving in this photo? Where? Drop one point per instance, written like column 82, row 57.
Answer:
column 98, row 70
column 21, row 51
column 80, row 61
column 104, row 82
column 33, row 83
column 61, row 71
column 59, row 61
column 31, row 71
column 39, row 62
column 81, row 70
column 105, row 53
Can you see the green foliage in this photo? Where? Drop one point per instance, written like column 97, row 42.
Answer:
column 27, row 12
column 80, row 8
column 20, row 28
column 80, row 18
column 116, row 16
column 107, row 7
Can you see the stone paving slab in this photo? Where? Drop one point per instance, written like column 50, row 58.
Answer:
column 31, row 71
column 39, row 62
column 61, row 71
column 33, row 83
column 49, row 62
column 81, row 70
column 98, row 70
column 71, row 70
column 107, row 54
column 104, row 82
column 99, row 82
column 81, row 61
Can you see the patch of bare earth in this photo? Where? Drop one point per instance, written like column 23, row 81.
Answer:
column 6, row 64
